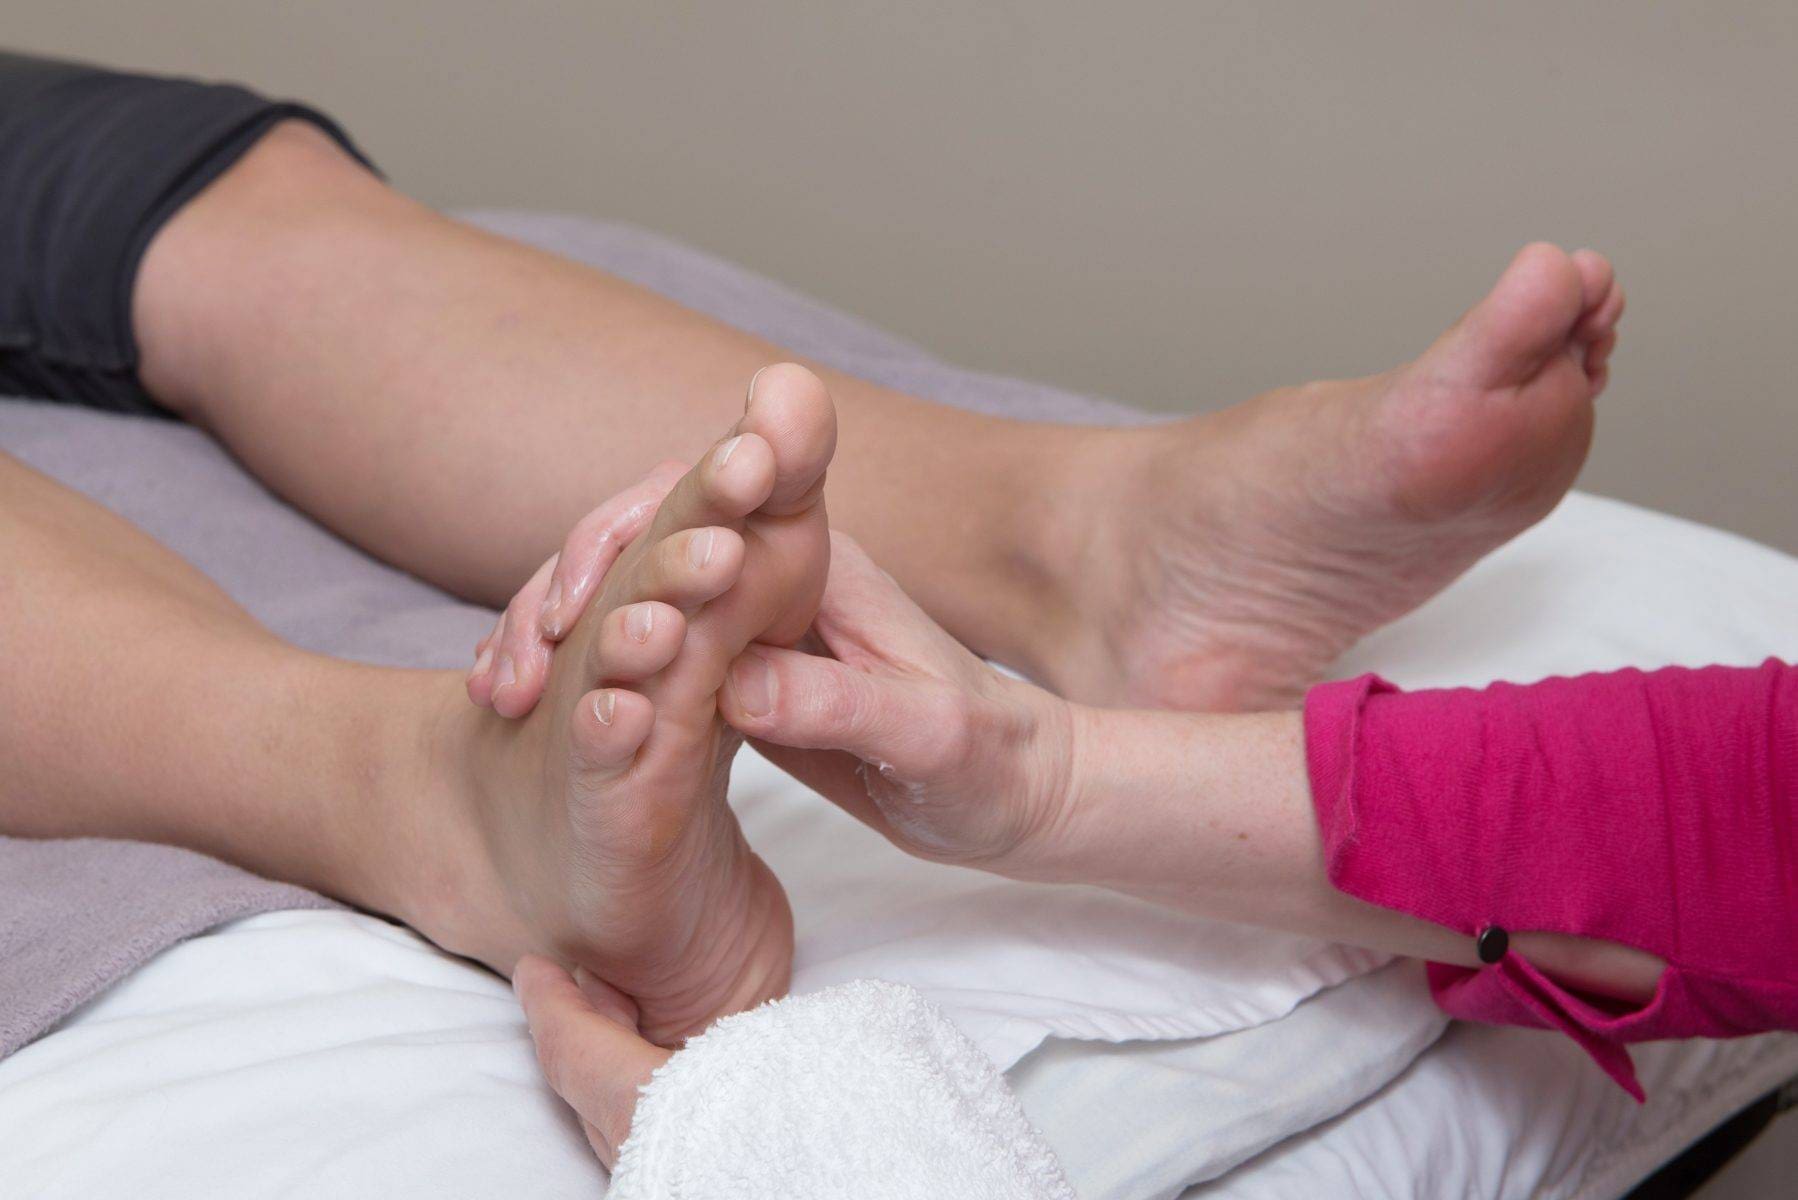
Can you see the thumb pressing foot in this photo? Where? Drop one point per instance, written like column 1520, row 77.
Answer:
column 587, row 1042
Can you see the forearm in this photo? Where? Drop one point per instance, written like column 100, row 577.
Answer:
column 1214, row 815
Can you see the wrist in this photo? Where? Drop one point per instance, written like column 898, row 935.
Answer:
column 1080, row 839
column 1033, row 784
column 1093, row 802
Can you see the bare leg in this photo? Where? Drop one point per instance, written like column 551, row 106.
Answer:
column 453, row 402
column 595, row 832
column 293, row 765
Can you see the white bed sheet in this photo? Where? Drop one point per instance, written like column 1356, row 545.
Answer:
column 288, row 1058
column 334, row 1054
column 1509, row 1114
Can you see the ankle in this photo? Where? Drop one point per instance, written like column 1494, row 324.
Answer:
column 1062, row 556
column 411, row 777
column 431, row 867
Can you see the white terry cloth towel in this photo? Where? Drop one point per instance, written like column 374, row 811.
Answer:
column 864, row 1089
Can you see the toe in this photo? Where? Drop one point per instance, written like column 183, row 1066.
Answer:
column 1525, row 320
column 1596, row 277
column 731, row 481
column 1598, row 354
column 689, row 567
column 636, row 641
column 1602, row 319
column 790, row 409
column 606, row 729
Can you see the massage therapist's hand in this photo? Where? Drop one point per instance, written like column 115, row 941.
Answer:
column 587, row 1042
column 903, row 727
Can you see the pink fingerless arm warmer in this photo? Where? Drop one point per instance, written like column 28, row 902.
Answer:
column 1655, row 809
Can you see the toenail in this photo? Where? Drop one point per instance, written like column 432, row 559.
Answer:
column 754, row 685
column 699, row 548
column 482, row 661
column 725, row 451
column 507, row 674
column 749, row 396
column 604, row 705
column 640, row 621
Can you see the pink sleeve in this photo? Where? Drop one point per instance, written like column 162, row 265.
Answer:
column 1655, row 809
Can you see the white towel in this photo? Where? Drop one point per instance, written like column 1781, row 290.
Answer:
column 864, row 1089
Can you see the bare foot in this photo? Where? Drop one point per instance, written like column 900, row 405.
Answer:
column 604, row 838
column 1230, row 560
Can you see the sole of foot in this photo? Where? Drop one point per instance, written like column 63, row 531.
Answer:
column 606, row 839
column 1242, row 552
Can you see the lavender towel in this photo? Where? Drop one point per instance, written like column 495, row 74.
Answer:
column 77, row 915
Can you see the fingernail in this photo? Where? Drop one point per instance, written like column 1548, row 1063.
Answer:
column 699, row 548
column 749, row 396
column 507, row 675
column 482, row 661
column 724, row 451
column 639, row 621
column 604, row 705
column 546, row 615
column 754, row 685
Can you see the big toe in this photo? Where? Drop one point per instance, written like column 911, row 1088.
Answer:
column 1525, row 319
column 790, row 409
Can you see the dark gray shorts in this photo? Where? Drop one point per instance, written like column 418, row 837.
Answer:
column 92, row 162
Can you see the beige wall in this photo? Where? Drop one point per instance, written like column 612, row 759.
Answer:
column 1176, row 204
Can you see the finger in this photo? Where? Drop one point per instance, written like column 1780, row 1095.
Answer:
column 592, row 1059
column 480, row 677
column 595, row 543
column 913, row 726
column 865, row 612
column 836, row 775
column 606, row 1000
column 482, row 680
column 521, row 659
